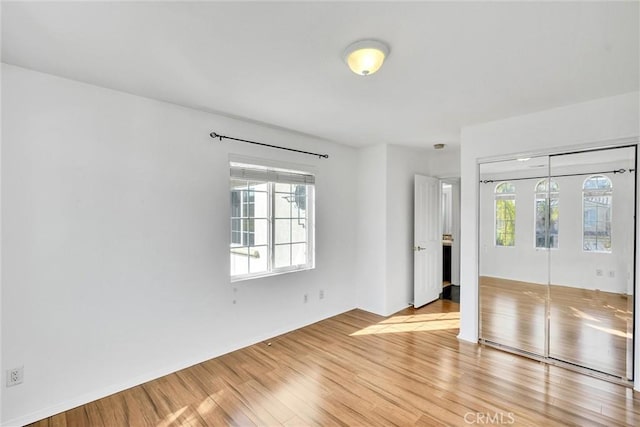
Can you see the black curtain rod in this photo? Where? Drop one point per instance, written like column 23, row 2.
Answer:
column 215, row 135
column 488, row 181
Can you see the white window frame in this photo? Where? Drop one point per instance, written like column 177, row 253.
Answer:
column 272, row 176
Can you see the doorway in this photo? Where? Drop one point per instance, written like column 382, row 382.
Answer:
column 436, row 244
column 450, row 207
column 557, row 258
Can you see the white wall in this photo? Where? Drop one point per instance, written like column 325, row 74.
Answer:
column 115, row 225
column 583, row 124
column 371, row 271
column 402, row 165
column 445, row 163
column 385, row 229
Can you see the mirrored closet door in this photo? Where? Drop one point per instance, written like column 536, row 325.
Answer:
column 591, row 260
column 513, row 273
column 557, row 251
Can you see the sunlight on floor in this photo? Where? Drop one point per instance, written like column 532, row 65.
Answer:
column 414, row 323
column 611, row 331
column 171, row 418
column 581, row 314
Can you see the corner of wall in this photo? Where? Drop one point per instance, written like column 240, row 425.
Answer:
column 371, row 236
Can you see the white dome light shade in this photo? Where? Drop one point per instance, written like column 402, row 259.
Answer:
column 365, row 57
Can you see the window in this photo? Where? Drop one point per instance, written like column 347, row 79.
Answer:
column 505, row 209
column 596, row 209
column 547, row 214
column 271, row 221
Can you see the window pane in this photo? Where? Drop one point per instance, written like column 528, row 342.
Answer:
column 260, row 232
column 236, row 202
column 249, row 198
column 505, row 222
column 282, row 231
column 596, row 226
column 248, row 234
column 546, row 222
column 544, row 187
column 505, row 187
column 283, row 205
column 283, row 188
column 299, row 254
column 300, row 200
column 554, row 223
column 597, row 182
column 298, row 230
column 236, row 232
column 258, row 259
column 261, row 205
column 282, row 256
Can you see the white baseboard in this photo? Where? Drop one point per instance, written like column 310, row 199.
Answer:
column 107, row 391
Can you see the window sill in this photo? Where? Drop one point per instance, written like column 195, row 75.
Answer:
column 241, row 278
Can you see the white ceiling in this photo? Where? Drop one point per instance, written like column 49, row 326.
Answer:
column 451, row 64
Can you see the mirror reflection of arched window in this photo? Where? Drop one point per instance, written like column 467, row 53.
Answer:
column 596, row 210
column 547, row 214
column 505, row 213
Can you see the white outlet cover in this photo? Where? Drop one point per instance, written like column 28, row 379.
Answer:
column 15, row 376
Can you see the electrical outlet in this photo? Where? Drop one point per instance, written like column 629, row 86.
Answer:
column 599, row 272
column 321, row 294
column 306, row 298
column 15, row 376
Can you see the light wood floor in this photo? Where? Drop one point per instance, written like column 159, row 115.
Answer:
column 360, row 369
column 588, row 328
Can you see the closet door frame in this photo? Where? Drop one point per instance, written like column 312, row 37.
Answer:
column 608, row 145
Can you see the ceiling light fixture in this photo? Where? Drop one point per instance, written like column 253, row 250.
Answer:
column 365, row 57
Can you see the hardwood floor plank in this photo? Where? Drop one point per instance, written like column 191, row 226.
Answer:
column 360, row 369
column 59, row 420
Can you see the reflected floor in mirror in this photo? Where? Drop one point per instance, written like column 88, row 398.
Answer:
column 589, row 328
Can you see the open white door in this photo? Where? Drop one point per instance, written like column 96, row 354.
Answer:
column 427, row 241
